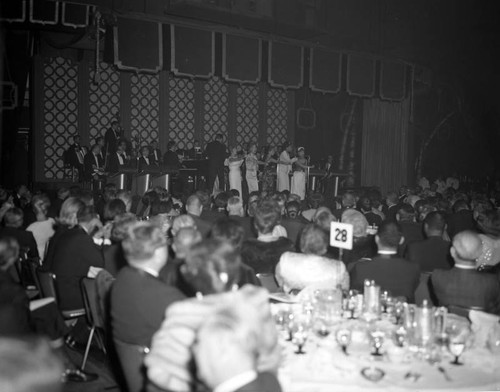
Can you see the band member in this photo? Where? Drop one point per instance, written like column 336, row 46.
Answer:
column 145, row 164
column 94, row 169
column 327, row 181
column 155, row 153
column 285, row 167
column 299, row 174
column 102, row 153
column 171, row 158
column 269, row 172
column 75, row 156
column 234, row 163
column 216, row 154
column 111, row 138
column 120, row 159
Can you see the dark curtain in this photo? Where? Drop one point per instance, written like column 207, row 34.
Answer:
column 384, row 160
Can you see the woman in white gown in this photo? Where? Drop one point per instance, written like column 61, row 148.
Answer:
column 234, row 163
column 299, row 174
column 252, row 166
column 284, row 168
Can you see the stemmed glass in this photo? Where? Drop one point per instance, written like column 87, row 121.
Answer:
column 399, row 308
column 350, row 303
column 299, row 332
column 377, row 338
column 282, row 319
column 343, row 337
column 456, row 342
column 400, row 336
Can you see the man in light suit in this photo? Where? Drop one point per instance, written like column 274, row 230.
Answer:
column 463, row 285
column 226, row 353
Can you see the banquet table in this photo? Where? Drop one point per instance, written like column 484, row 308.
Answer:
column 325, row 367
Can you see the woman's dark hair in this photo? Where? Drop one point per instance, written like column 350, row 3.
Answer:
column 112, row 209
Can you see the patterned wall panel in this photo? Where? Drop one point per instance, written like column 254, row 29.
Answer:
column 104, row 100
column 247, row 115
column 181, row 112
column 277, row 113
column 215, row 98
column 145, row 112
column 60, row 113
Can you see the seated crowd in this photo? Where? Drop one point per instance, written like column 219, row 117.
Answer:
column 183, row 274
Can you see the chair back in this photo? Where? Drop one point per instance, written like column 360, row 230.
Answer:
column 131, row 358
column 422, row 292
column 47, row 283
column 463, row 310
column 90, row 301
column 268, row 281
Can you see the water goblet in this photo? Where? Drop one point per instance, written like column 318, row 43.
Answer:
column 299, row 333
column 377, row 338
column 343, row 337
column 399, row 309
column 456, row 346
column 400, row 336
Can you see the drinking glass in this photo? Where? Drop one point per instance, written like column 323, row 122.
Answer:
column 351, row 303
column 377, row 339
column 399, row 308
column 299, row 333
column 457, row 341
column 343, row 337
column 400, row 336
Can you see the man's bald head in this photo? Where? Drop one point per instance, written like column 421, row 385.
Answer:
column 185, row 238
column 466, row 248
column 194, row 205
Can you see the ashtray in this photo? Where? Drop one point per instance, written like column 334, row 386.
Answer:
column 372, row 373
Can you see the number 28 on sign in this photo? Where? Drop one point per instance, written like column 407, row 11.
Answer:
column 341, row 235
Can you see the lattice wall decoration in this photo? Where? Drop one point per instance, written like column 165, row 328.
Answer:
column 247, row 115
column 181, row 112
column 145, row 111
column 60, row 113
column 104, row 100
column 215, row 100
column 276, row 117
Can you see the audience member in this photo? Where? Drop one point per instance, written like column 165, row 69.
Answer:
column 362, row 242
column 390, row 272
column 433, row 252
column 13, row 223
column 194, row 208
column 114, row 258
column 237, row 212
column 463, row 285
column 461, row 219
column 412, row 231
column 263, row 253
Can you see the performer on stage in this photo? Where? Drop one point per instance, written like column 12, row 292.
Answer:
column 299, row 174
column 155, row 153
column 327, row 181
column 145, row 164
column 285, row 167
column 252, row 166
column 119, row 160
column 111, row 138
column 216, row 154
column 171, row 159
column 94, row 169
column 269, row 172
column 234, row 163
column 76, row 154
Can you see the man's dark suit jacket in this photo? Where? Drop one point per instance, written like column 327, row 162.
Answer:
column 110, row 141
column 390, row 212
column 263, row 256
column 114, row 258
column 142, row 166
column 113, row 164
column 171, row 160
column 14, row 307
column 138, row 304
column 430, row 254
column 51, row 248
column 88, row 164
column 392, row 273
column 247, row 223
column 24, row 238
column 412, row 232
column 153, row 159
column 460, row 221
column 212, row 216
column 75, row 253
column 293, row 228
column 467, row 288
column 216, row 153
column 265, row 382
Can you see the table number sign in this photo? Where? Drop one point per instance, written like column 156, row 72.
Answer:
column 341, row 235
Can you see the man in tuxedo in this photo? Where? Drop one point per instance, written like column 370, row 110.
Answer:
column 328, row 180
column 226, row 353
column 155, row 153
column 171, row 159
column 433, row 252
column 100, row 141
column 13, row 223
column 76, row 256
column 76, row 155
column 138, row 297
column 111, row 138
column 93, row 163
column 216, row 154
column 390, row 208
column 119, row 160
column 145, row 163
column 463, row 285
column 390, row 272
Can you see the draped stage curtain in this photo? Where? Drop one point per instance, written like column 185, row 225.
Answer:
column 384, row 160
